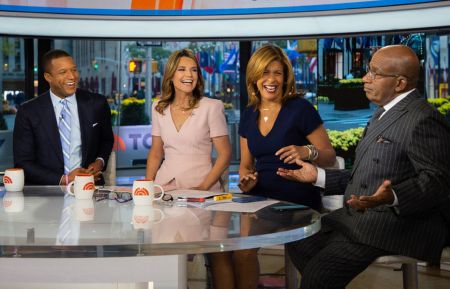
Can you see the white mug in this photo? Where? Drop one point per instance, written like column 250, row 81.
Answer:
column 144, row 217
column 14, row 180
column 144, row 192
column 13, row 202
column 83, row 186
column 84, row 210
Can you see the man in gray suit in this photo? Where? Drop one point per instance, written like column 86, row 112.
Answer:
column 396, row 198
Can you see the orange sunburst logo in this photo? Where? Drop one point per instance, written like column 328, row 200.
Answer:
column 140, row 219
column 7, row 180
column 119, row 144
column 7, row 203
column 89, row 186
column 141, row 192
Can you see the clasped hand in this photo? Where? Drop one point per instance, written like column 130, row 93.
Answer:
column 94, row 168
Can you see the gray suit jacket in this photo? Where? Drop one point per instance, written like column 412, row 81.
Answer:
column 409, row 145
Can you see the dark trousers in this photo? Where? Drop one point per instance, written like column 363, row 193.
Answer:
column 329, row 260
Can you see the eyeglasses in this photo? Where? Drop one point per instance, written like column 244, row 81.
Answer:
column 373, row 75
column 120, row 197
column 166, row 197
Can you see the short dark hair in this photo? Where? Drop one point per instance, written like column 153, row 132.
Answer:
column 52, row 54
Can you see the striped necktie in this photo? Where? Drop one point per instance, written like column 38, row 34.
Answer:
column 64, row 132
column 375, row 117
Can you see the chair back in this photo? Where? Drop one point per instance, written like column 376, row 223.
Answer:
column 334, row 202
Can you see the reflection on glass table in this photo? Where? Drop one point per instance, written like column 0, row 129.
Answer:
column 43, row 222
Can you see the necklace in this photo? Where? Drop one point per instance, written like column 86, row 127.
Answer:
column 181, row 108
column 269, row 112
column 265, row 118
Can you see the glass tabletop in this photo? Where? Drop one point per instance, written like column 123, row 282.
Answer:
column 43, row 221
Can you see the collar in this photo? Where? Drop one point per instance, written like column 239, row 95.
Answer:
column 57, row 99
column 396, row 100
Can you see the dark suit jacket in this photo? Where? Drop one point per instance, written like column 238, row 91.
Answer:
column 409, row 145
column 36, row 142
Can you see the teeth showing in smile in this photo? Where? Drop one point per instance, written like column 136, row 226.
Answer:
column 186, row 81
column 70, row 83
column 270, row 88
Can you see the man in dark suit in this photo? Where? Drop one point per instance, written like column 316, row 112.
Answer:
column 39, row 136
column 397, row 194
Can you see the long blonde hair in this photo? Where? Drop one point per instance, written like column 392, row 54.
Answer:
column 258, row 62
column 168, row 89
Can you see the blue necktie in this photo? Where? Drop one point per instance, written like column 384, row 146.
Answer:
column 64, row 131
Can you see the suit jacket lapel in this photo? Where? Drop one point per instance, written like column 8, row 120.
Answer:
column 376, row 128
column 85, row 116
column 48, row 119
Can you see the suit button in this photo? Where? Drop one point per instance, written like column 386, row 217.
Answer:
column 375, row 160
column 364, row 186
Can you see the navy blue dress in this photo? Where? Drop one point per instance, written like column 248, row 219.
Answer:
column 296, row 119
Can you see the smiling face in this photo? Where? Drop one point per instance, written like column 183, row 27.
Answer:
column 270, row 85
column 186, row 76
column 62, row 76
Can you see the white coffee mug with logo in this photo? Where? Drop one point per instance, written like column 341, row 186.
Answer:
column 145, row 216
column 13, row 202
column 84, row 210
column 144, row 192
column 83, row 186
column 14, row 180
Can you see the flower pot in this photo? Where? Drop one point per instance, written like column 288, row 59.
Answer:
column 350, row 98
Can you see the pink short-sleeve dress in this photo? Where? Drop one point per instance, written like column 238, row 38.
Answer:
column 187, row 152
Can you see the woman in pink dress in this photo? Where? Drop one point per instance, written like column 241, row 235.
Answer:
column 185, row 126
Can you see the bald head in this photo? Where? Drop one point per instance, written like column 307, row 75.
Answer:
column 400, row 60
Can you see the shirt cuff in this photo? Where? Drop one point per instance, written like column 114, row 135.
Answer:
column 395, row 202
column 103, row 161
column 320, row 182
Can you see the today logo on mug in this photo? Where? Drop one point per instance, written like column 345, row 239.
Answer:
column 14, row 180
column 84, row 210
column 144, row 217
column 83, row 186
column 13, row 202
column 144, row 192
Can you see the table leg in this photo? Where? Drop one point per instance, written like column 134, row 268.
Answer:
column 290, row 271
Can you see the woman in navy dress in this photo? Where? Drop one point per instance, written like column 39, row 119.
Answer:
column 276, row 128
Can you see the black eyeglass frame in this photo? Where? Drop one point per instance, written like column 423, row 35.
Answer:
column 373, row 75
column 165, row 198
column 120, row 197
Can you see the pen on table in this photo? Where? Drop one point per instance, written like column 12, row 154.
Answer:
column 191, row 199
column 223, row 197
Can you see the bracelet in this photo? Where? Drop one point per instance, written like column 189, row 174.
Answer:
column 308, row 158
column 313, row 153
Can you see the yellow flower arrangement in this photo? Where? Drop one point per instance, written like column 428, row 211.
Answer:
column 132, row 100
